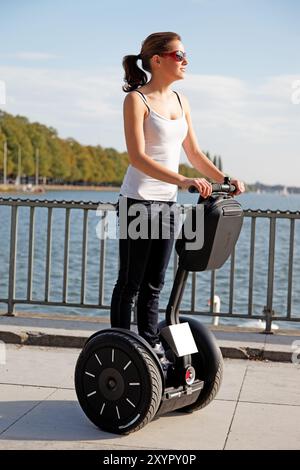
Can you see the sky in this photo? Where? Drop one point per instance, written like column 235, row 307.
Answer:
column 61, row 65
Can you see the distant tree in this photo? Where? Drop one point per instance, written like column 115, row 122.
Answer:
column 63, row 159
column 189, row 172
column 207, row 154
column 220, row 165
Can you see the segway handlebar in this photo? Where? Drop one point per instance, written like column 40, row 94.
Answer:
column 217, row 188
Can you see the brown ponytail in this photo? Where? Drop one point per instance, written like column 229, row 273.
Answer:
column 156, row 43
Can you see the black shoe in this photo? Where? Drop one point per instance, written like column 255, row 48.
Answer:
column 159, row 350
column 161, row 354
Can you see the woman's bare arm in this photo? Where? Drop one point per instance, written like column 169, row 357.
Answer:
column 134, row 112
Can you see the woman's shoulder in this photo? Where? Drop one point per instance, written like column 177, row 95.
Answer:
column 133, row 103
column 184, row 101
column 132, row 97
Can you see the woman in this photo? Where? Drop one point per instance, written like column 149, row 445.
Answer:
column 157, row 122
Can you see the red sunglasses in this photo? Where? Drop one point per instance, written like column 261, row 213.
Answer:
column 179, row 56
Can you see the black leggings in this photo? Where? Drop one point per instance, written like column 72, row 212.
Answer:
column 143, row 264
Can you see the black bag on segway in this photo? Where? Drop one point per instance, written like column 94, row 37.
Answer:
column 223, row 219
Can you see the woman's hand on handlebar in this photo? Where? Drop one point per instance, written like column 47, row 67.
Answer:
column 240, row 187
column 203, row 186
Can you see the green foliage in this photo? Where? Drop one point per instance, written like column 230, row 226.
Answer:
column 64, row 160
column 59, row 159
column 189, row 171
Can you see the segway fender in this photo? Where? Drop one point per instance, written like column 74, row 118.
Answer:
column 206, row 343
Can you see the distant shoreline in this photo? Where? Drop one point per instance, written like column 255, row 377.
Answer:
column 54, row 187
column 43, row 188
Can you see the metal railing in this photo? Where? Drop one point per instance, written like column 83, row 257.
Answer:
column 270, row 217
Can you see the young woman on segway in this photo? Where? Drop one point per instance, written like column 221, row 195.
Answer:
column 157, row 122
column 124, row 379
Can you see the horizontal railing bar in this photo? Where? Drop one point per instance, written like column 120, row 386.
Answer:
column 111, row 206
column 237, row 315
column 161, row 310
column 57, row 304
column 272, row 214
column 60, row 204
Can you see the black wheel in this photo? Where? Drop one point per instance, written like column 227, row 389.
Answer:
column 209, row 391
column 118, row 383
column 208, row 363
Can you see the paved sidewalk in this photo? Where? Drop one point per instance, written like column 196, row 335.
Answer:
column 258, row 407
column 238, row 343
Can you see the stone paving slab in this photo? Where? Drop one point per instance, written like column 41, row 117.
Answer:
column 39, row 366
column 259, row 426
column 59, row 418
column 258, row 407
column 25, row 399
column 271, row 384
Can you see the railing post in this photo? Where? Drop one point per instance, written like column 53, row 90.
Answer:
column 268, row 311
column 66, row 257
column 102, row 258
column 12, row 261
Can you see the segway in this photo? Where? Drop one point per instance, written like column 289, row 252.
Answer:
column 121, row 383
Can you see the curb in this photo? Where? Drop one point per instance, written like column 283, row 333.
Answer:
column 255, row 354
column 240, row 352
column 58, row 341
column 38, row 338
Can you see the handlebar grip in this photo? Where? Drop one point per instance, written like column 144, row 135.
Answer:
column 216, row 188
column 193, row 189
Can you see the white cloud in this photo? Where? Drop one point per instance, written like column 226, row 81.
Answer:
column 85, row 106
column 254, row 126
column 232, row 103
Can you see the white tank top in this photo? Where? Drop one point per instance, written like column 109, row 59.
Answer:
column 163, row 141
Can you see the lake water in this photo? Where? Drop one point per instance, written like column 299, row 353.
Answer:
column 248, row 201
